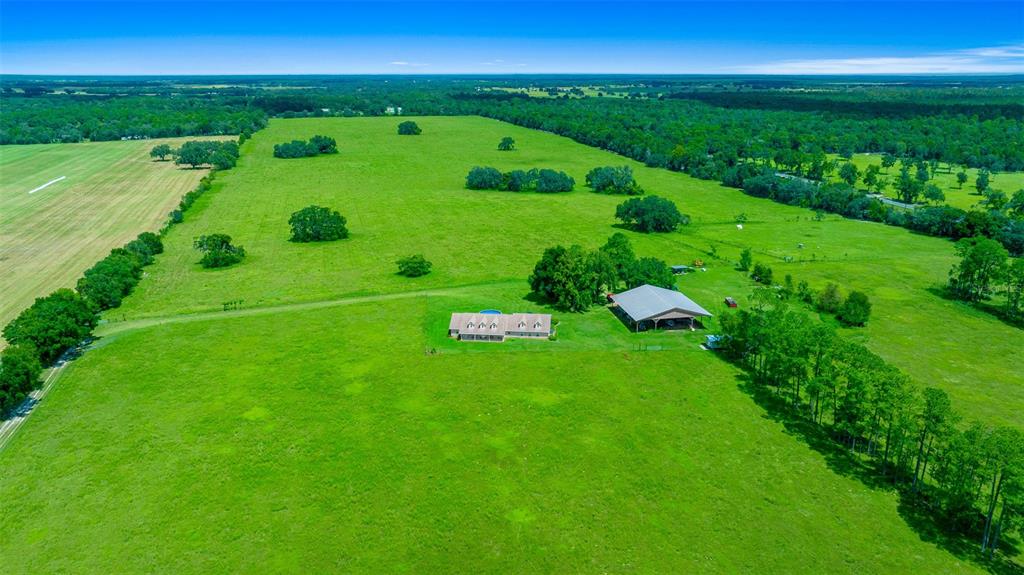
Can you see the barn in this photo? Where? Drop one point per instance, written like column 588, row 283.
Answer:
column 652, row 306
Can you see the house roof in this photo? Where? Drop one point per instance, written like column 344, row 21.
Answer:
column 500, row 323
column 649, row 301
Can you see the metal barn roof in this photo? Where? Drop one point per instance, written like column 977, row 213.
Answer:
column 649, row 301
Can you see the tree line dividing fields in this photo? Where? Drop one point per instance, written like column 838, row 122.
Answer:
column 585, row 447
column 112, row 192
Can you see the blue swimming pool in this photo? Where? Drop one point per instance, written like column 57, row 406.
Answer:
column 492, row 311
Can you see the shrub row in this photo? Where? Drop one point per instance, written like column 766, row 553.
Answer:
column 302, row 149
column 61, row 320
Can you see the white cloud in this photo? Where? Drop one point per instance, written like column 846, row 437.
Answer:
column 987, row 60
column 409, row 64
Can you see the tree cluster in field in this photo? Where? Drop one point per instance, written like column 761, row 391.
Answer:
column 409, row 128
column 317, row 224
column 55, row 323
column 614, row 180
column 306, row 149
column 544, row 181
column 854, row 310
column 651, row 214
column 218, row 251
column 573, row 279
column 413, row 266
column 507, row 144
column 984, row 269
column 969, row 477
column 195, row 153
column 51, row 119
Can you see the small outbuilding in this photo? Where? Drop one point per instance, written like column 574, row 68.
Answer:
column 653, row 306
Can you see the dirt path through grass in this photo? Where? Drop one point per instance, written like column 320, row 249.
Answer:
column 109, row 329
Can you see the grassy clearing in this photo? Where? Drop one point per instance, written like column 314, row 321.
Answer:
column 400, row 200
column 326, row 440
column 112, row 192
column 329, row 424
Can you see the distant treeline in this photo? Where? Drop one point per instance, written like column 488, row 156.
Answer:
column 685, row 134
column 66, row 118
column 976, row 123
column 852, row 105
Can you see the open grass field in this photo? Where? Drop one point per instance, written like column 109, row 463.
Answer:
column 329, row 424
column 325, row 440
column 965, row 197
column 111, row 192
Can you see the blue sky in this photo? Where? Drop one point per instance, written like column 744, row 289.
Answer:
column 268, row 37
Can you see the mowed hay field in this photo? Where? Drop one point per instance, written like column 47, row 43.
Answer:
column 112, row 191
column 329, row 424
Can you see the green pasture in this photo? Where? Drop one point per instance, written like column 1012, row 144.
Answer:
column 404, row 195
column 329, row 425
column 328, row 440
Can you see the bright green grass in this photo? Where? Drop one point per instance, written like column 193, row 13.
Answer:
column 327, row 441
column 405, row 195
column 329, row 425
column 965, row 197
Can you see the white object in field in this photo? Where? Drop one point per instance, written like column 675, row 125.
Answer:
column 739, row 226
column 51, row 182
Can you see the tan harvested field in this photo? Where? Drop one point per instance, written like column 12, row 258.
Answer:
column 112, row 191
